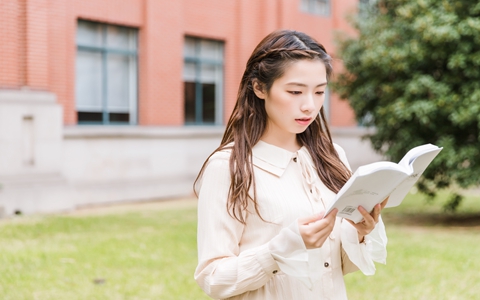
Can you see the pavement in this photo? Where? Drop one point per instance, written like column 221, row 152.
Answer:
column 161, row 204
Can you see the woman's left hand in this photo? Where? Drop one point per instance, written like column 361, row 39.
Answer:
column 369, row 220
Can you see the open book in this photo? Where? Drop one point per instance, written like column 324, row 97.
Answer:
column 372, row 183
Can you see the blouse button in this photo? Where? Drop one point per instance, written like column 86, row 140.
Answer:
column 275, row 271
column 326, row 264
column 295, row 159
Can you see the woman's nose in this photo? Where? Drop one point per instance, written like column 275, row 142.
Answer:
column 308, row 103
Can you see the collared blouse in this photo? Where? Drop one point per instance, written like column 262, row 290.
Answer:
column 267, row 259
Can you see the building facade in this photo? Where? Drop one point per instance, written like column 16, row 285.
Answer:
column 122, row 100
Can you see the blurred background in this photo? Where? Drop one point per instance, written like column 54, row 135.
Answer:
column 122, row 100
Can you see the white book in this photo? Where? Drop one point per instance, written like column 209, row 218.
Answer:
column 372, row 183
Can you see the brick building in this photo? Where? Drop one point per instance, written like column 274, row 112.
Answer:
column 122, row 100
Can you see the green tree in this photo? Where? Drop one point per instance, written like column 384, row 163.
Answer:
column 413, row 72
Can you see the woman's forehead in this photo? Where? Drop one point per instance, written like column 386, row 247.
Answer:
column 304, row 72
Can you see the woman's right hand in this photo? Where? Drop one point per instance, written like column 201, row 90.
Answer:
column 315, row 230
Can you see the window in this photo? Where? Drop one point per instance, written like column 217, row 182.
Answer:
column 317, row 7
column 203, row 81
column 106, row 74
column 366, row 7
column 326, row 105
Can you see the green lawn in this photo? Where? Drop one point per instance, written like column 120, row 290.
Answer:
column 431, row 254
column 426, row 264
column 151, row 254
column 141, row 255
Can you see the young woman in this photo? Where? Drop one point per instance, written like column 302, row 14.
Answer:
column 262, row 193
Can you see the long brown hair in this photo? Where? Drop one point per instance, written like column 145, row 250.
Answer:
column 249, row 119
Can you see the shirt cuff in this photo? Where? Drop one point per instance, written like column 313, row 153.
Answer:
column 293, row 258
column 377, row 243
column 364, row 254
column 266, row 261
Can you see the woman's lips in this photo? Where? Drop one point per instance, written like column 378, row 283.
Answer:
column 303, row 121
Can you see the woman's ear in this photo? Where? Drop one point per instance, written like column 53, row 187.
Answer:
column 258, row 90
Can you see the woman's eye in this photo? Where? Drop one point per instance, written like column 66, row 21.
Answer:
column 295, row 92
column 320, row 93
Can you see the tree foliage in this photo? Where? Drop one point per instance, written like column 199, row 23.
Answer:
column 413, row 72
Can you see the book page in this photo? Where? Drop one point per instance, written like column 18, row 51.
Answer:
column 372, row 183
column 380, row 165
column 418, row 165
column 366, row 189
column 411, row 155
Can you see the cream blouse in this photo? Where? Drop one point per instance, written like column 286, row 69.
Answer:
column 269, row 260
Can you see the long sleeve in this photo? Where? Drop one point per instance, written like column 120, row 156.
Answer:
column 223, row 270
column 363, row 255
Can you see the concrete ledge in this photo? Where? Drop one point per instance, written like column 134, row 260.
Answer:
column 27, row 97
column 100, row 131
column 36, row 194
column 357, row 132
column 130, row 191
column 142, row 132
column 113, row 164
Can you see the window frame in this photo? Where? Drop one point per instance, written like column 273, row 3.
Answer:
column 198, row 61
column 308, row 6
column 365, row 7
column 327, row 105
column 105, row 50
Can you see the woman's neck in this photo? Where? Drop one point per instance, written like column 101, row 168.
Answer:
column 287, row 142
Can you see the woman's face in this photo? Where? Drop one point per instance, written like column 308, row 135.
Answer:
column 295, row 99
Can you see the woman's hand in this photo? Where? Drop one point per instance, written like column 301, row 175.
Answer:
column 369, row 220
column 315, row 230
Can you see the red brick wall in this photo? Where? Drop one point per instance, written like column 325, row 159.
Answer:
column 341, row 114
column 161, row 56
column 12, row 44
column 62, row 49
column 38, row 49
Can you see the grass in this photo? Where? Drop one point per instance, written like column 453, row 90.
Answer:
column 140, row 255
column 151, row 254
column 423, row 264
column 431, row 254
column 416, row 210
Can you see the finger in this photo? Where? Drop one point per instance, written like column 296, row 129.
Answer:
column 353, row 223
column 320, row 226
column 310, row 219
column 366, row 215
column 323, row 229
column 328, row 221
column 358, row 225
column 376, row 212
column 384, row 202
column 332, row 214
column 369, row 219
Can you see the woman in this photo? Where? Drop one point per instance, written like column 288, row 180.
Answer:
column 262, row 193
